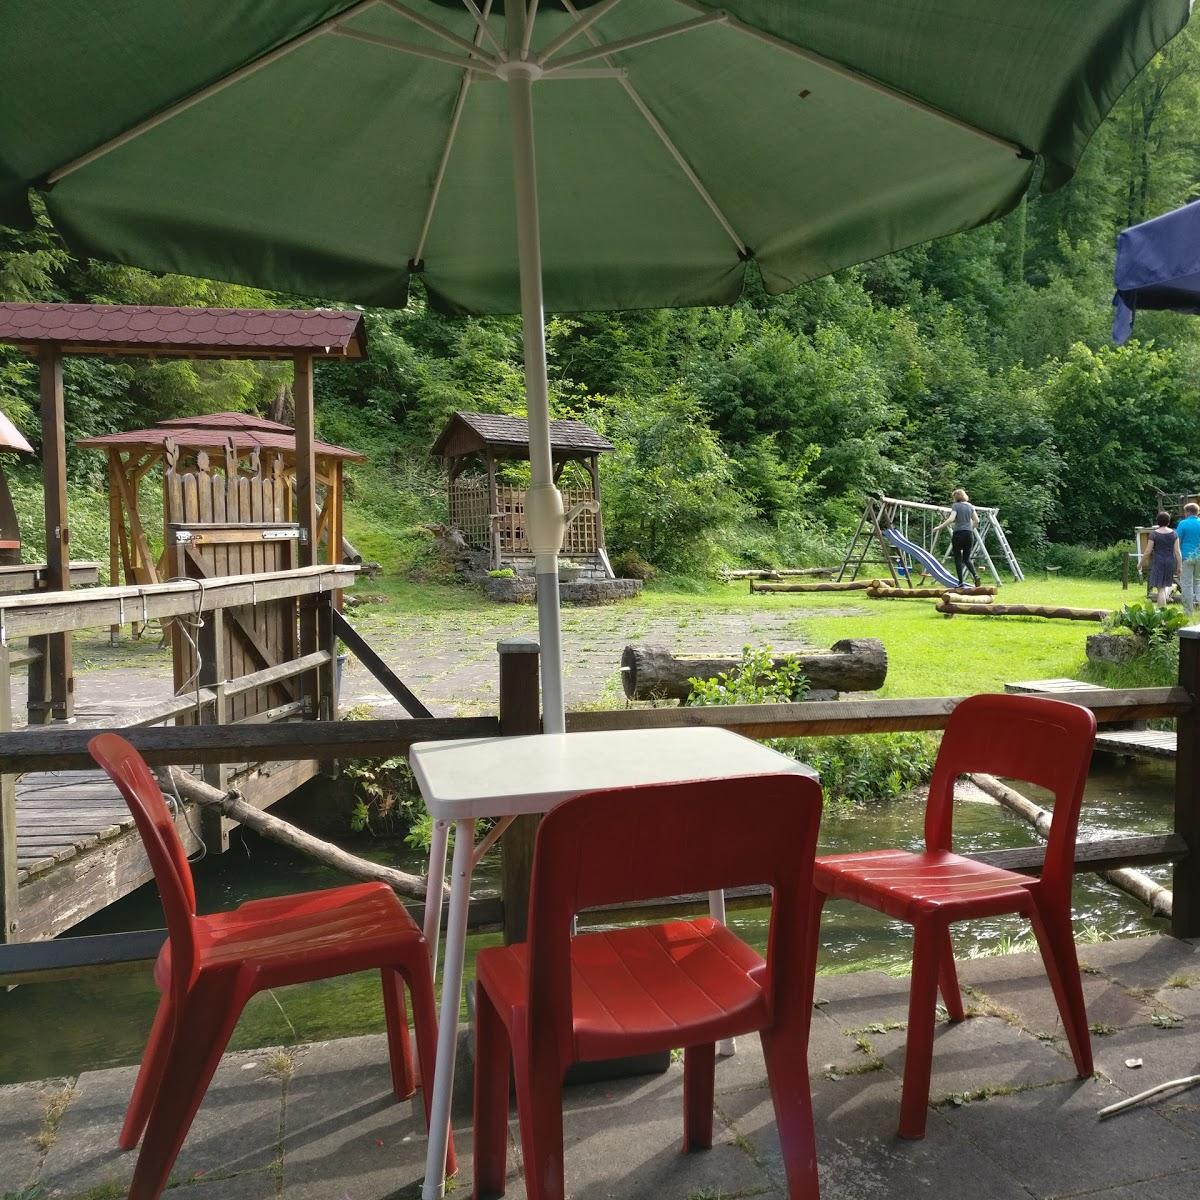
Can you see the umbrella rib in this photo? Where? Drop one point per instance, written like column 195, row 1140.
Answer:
column 472, row 48
column 530, row 17
column 211, row 89
column 631, row 43
column 673, row 150
column 441, row 56
column 864, row 80
column 440, row 174
column 481, row 21
column 581, row 23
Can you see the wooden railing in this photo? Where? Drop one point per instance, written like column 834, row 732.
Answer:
column 37, row 618
column 518, row 713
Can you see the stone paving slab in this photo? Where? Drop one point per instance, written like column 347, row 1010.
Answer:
column 1050, row 1141
column 319, row 1122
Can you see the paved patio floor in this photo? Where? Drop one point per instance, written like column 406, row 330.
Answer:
column 1010, row 1121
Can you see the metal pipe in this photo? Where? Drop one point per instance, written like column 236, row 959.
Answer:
column 543, row 505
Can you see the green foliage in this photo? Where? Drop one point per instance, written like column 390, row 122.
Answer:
column 629, row 564
column 760, row 678
column 1085, row 562
column 1147, row 620
column 502, row 573
column 867, row 767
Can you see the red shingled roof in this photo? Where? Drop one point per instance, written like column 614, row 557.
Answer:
column 145, row 329
column 212, row 432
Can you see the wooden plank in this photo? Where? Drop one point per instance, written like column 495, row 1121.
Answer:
column 69, row 958
column 366, row 654
column 9, row 856
column 31, row 577
column 1139, row 743
column 58, row 525
column 27, row 615
column 1051, row 687
column 520, row 713
column 38, row 750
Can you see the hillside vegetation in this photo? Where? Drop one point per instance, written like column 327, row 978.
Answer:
column 750, row 434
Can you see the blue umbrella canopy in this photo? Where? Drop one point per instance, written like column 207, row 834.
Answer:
column 1158, row 266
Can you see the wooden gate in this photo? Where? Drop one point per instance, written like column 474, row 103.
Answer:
column 233, row 523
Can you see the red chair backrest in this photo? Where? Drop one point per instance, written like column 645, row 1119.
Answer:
column 664, row 840
column 128, row 770
column 1030, row 738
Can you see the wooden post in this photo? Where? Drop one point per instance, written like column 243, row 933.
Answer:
column 306, row 513
column 1185, row 919
column 593, row 469
column 337, row 521
column 58, row 532
column 327, row 640
column 114, row 537
column 214, row 671
column 8, row 817
column 519, row 713
column 493, row 511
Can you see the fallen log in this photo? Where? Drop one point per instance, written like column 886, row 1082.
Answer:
column 1137, row 884
column 886, row 592
column 775, row 572
column 951, row 607
column 232, row 805
column 654, row 673
column 850, row 585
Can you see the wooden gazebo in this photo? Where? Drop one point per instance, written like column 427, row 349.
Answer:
column 236, row 443
column 491, row 515
column 49, row 332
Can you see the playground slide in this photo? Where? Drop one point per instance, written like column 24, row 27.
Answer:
column 919, row 555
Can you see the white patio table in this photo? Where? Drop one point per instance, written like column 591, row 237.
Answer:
column 505, row 777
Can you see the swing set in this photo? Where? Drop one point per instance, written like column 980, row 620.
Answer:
column 899, row 535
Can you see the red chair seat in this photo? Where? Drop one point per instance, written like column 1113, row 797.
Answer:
column 302, row 937
column 901, row 885
column 634, row 990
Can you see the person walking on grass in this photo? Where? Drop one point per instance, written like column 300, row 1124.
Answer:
column 1162, row 558
column 1188, row 532
column 965, row 519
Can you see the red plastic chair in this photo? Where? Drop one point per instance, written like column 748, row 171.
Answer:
column 210, row 966
column 558, row 999
column 1040, row 741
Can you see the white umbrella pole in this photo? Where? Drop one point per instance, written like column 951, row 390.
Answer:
column 544, row 523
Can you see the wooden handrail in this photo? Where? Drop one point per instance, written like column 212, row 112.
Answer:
column 60, row 612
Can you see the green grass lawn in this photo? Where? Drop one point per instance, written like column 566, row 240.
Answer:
column 929, row 654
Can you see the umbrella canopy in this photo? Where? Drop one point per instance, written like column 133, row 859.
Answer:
column 1158, row 266
column 329, row 148
column 337, row 148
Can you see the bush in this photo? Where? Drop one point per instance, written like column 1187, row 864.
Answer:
column 629, row 564
column 1085, row 561
column 1147, row 621
column 759, row 678
column 502, row 573
column 865, row 767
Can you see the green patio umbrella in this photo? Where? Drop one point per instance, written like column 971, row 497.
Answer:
column 336, row 149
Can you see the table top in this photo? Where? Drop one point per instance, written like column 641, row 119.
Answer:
column 502, row 776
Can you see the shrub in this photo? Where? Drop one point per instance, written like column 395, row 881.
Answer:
column 1085, row 561
column 760, row 678
column 629, row 564
column 1147, row 621
column 502, row 573
column 865, row 767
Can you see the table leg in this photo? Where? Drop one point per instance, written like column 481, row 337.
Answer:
column 433, row 894
column 716, row 910
column 452, row 975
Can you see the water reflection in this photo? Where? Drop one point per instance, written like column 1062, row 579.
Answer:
column 63, row 1028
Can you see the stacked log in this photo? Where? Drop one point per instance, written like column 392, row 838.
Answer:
column 654, row 673
column 886, row 592
column 851, row 585
column 776, row 572
column 950, row 607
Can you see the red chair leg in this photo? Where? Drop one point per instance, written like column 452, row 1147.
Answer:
column 812, row 949
column 1056, row 940
column 399, row 1043
column 785, row 1049
column 539, row 1105
column 928, row 941
column 492, row 1078
column 948, row 980
column 699, row 1072
column 424, row 1008
column 149, row 1076
column 208, row 1018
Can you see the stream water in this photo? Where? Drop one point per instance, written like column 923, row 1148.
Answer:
column 55, row 1029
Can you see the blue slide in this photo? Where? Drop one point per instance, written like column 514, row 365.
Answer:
column 917, row 554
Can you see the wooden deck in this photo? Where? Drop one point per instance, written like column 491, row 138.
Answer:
column 1052, row 687
column 1138, row 743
